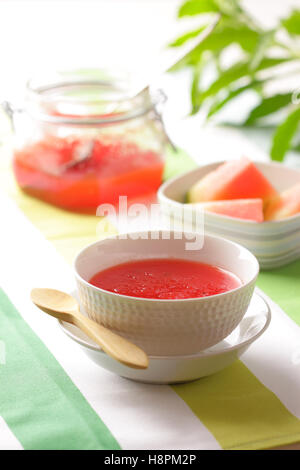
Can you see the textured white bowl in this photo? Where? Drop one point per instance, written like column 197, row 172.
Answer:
column 273, row 243
column 177, row 369
column 167, row 327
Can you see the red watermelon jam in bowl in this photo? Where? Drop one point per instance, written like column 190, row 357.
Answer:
column 195, row 298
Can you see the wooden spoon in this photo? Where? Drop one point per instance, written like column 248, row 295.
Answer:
column 64, row 307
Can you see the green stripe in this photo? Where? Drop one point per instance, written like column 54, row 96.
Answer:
column 239, row 410
column 282, row 286
column 40, row 404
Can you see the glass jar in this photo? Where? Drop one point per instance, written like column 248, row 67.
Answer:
column 82, row 140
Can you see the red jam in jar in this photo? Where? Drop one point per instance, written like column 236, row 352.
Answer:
column 48, row 170
column 88, row 143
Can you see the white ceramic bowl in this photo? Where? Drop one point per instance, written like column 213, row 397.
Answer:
column 273, row 243
column 176, row 369
column 167, row 327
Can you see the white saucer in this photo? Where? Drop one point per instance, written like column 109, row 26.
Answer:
column 176, row 369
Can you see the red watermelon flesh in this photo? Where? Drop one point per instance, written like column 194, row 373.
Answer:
column 285, row 205
column 239, row 179
column 246, row 209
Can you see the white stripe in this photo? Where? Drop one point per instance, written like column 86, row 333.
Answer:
column 139, row 416
column 275, row 359
column 8, row 441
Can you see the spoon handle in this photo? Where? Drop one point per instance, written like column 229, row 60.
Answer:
column 114, row 345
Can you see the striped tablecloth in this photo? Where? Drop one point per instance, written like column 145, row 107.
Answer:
column 53, row 397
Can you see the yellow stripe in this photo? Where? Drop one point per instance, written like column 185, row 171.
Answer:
column 239, row 410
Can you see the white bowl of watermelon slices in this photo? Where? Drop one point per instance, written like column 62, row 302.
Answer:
column 252, row 203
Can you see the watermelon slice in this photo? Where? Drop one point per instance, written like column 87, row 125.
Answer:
column 246, row 209
column 285, row 205
column 232, row 180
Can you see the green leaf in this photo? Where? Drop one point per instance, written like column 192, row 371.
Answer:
column 226, row 33
column 266, row 40
column 268, row 106
column 195, row 87
column 185, row 37
column 227, row 77
column 196, row 7
column 234, row 73
column 229, row 32
column 218, row 105
column 296, row 148
column 292, row 23
column 284, row 134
